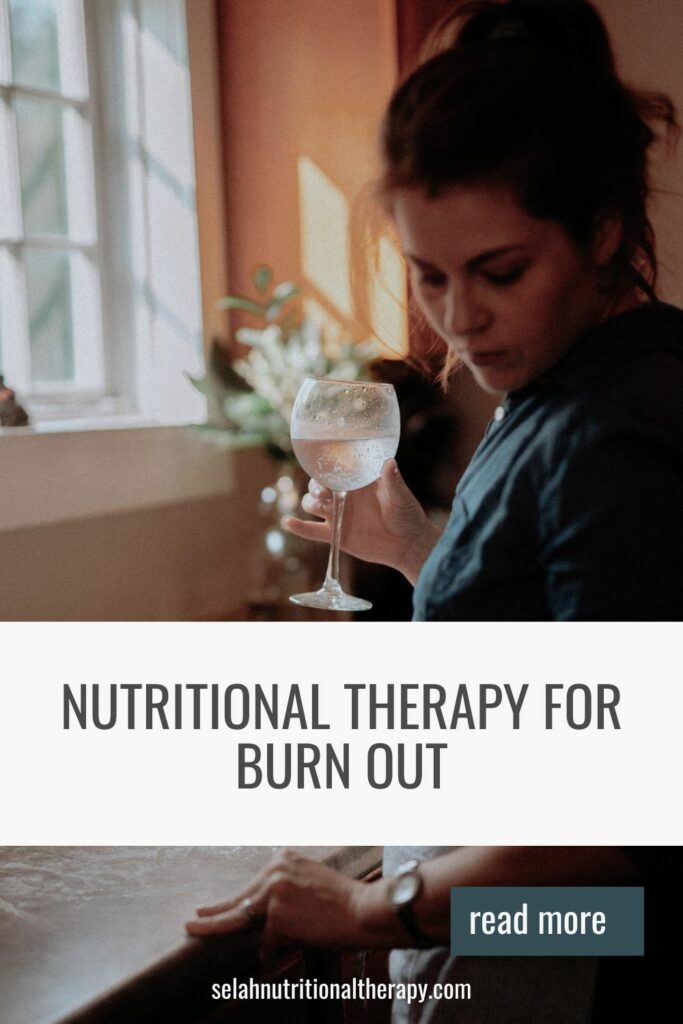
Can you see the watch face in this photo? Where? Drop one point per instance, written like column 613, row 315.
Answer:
column 405, row 889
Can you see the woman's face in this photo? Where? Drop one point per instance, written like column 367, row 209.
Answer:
column 509, row 293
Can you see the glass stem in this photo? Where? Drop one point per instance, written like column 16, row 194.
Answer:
column 332, row 576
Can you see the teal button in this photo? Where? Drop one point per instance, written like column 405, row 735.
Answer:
column 547, row 920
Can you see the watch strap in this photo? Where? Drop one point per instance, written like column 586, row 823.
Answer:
column 406, row 916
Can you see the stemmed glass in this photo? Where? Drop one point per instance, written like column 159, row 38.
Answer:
column 342, row 433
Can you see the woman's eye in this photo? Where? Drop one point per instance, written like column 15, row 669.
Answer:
column 432, row 280
column 506, row 277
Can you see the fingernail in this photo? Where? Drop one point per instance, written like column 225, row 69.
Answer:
column 317, row 491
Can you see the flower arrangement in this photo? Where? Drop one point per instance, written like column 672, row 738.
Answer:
column 250, row 396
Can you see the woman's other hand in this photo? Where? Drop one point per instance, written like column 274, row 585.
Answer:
column 383, row 522
column 295, row 900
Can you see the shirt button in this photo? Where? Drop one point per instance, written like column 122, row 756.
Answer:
column 499, row 413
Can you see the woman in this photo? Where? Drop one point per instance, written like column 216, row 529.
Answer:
column 516, row 174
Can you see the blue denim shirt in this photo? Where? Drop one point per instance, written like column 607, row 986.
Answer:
column 572, row 505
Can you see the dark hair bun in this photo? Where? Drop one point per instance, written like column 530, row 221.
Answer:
column 561, row 29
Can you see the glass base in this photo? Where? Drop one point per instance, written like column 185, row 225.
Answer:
column 332, row 601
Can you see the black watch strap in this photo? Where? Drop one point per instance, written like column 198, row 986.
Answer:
column 406, row 916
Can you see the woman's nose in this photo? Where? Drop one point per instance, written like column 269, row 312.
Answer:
column 463, row 313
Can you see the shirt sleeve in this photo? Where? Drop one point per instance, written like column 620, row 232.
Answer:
column 611, row 529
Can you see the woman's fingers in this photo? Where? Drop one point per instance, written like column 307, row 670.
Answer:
column 251, row 906
column 316, row 506
column 307, row 529
column 226, row 905
column 253, row 893
column 223, row 924
column 296, row 900
column 319, row 491
column 218, row 908
column 393, row 484
column 245, row 910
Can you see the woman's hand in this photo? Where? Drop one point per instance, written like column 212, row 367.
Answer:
column 383, row 522
column 295, row 900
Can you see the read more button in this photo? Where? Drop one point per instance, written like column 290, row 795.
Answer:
column 547, row 921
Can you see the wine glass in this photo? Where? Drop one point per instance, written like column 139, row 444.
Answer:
column 342, row 433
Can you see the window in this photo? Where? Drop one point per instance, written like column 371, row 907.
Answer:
column 99, row 281
column 49, row 260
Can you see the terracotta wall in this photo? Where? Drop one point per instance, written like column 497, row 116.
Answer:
column 300, row 78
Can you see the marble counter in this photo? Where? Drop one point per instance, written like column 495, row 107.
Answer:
column 78, row 923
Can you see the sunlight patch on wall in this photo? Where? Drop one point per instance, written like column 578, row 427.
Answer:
column 324, row 213
column 324, row 221
column 389, row 300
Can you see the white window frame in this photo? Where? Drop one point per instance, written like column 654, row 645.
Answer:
column 81, row 243
column 115, row 461
column 134, row 371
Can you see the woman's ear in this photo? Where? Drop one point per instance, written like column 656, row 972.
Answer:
column 608, row 235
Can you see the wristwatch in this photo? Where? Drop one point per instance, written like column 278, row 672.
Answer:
column 404, row 889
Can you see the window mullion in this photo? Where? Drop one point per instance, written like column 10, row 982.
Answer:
column 139, row 206
column 86, row 307
column 16, row 357
column 86, row 322
column 80, row 177
column 5, row 44
column 73, row 66
column 14, row 332
column 11, row 227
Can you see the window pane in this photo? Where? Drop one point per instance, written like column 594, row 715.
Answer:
column 164, row 20
column 48, row 281
column 35, row 49
column 41, row 160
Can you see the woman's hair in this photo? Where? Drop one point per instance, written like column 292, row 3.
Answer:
column 526, row 95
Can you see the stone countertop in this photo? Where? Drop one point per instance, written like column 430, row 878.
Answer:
column 82, row 926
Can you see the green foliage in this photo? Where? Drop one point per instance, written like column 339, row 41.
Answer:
column 271, row 308
column 250, row 397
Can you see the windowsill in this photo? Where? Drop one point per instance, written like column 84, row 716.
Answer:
column 58, row 471
column 85, row 424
